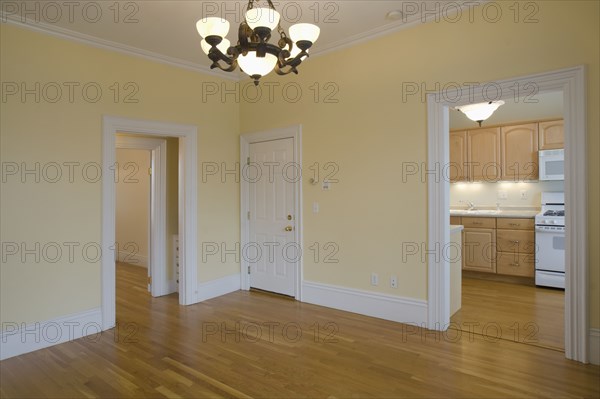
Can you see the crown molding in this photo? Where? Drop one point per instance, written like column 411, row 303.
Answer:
column 68, row 34
column 349, row 41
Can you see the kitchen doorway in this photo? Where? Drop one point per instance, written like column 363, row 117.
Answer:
column 510, row 245
column 571, row 83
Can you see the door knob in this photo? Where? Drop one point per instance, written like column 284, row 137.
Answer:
column 289, row 228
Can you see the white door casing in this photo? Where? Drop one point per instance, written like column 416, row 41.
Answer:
column 294, row 133
column 272, row 252
column 571, row 82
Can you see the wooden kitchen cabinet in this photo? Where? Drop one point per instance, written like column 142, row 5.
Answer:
column 519, row 152
column 551, row 135
column 515, row 244
column 455, row 220
column 483, row 154
column 479, row 244
column 457, row 170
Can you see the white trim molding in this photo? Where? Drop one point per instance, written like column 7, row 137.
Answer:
column 571, row 82
column 388, row 307
column 19, row 338
column 594, row 346
column 63, row 33
column 295, row 133
column 188, row 205
column 221, row 286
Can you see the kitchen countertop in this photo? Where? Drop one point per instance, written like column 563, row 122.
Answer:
column 504, row 213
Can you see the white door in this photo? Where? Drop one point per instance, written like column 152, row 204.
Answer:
column 272, row 253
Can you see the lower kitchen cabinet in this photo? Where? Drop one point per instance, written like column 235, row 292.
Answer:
column 515, row 264
column 479, row 244
column 498, row 245
column 516, row 247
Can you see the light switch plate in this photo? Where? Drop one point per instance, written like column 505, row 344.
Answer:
column 315, row 207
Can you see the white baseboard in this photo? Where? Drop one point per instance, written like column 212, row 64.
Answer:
column 388, row 307
column 132, row 258
column 218, row 287
column 18, row 338
column 594, row 348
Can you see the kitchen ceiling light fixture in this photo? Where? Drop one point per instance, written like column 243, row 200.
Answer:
column 480, row 111
column 253, row 52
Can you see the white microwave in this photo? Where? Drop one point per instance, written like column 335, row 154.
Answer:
column 552, row 164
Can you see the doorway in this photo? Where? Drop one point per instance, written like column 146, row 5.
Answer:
column 571, row 82
column 271, row 211
column 187, row 206
column 147, row 215
column 498, row 207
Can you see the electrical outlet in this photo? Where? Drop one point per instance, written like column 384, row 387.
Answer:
column 326, row 185
column 374, row 279
column 524, row 194
column 394, row 281
column 315, row 207
column 502, row 195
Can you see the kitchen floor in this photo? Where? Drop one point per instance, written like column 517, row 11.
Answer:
column 513, row 312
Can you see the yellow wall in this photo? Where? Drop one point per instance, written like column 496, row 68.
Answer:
column 371, row 131
column 133, row 205
column 67, row 131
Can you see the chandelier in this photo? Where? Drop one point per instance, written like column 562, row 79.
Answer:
column 481, row 111
column 253, row 52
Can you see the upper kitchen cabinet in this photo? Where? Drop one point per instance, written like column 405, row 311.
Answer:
column 552, row 135
column 519, row 151
column 483, row 153
column 458, row 156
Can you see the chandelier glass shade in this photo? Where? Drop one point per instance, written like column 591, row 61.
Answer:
column 254, row 54
column 480, row 111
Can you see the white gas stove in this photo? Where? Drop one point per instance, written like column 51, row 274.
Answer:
column 550, row 241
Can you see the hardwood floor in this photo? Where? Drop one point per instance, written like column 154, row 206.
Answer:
column 248, row 344
column 521, row 313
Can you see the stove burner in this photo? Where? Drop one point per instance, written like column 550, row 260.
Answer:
column 554, row 213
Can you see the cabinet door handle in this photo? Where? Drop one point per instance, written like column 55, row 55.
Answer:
column 477, row 223
column 514, row 241
column 514, row 224
column 515, row 264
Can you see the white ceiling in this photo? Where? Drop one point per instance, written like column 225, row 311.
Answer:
column 166, row 29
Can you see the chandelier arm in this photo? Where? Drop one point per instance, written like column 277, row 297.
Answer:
column 280, row 70
column 230, row 67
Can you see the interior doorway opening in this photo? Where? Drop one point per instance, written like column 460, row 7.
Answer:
column 187, row 228
column 571, row 82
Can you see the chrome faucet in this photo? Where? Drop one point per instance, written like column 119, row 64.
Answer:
column 471, row 205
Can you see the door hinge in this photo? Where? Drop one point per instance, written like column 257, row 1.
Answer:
column 150, row 171
column 248, row 215
column 248, row 269
column 248, row 161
